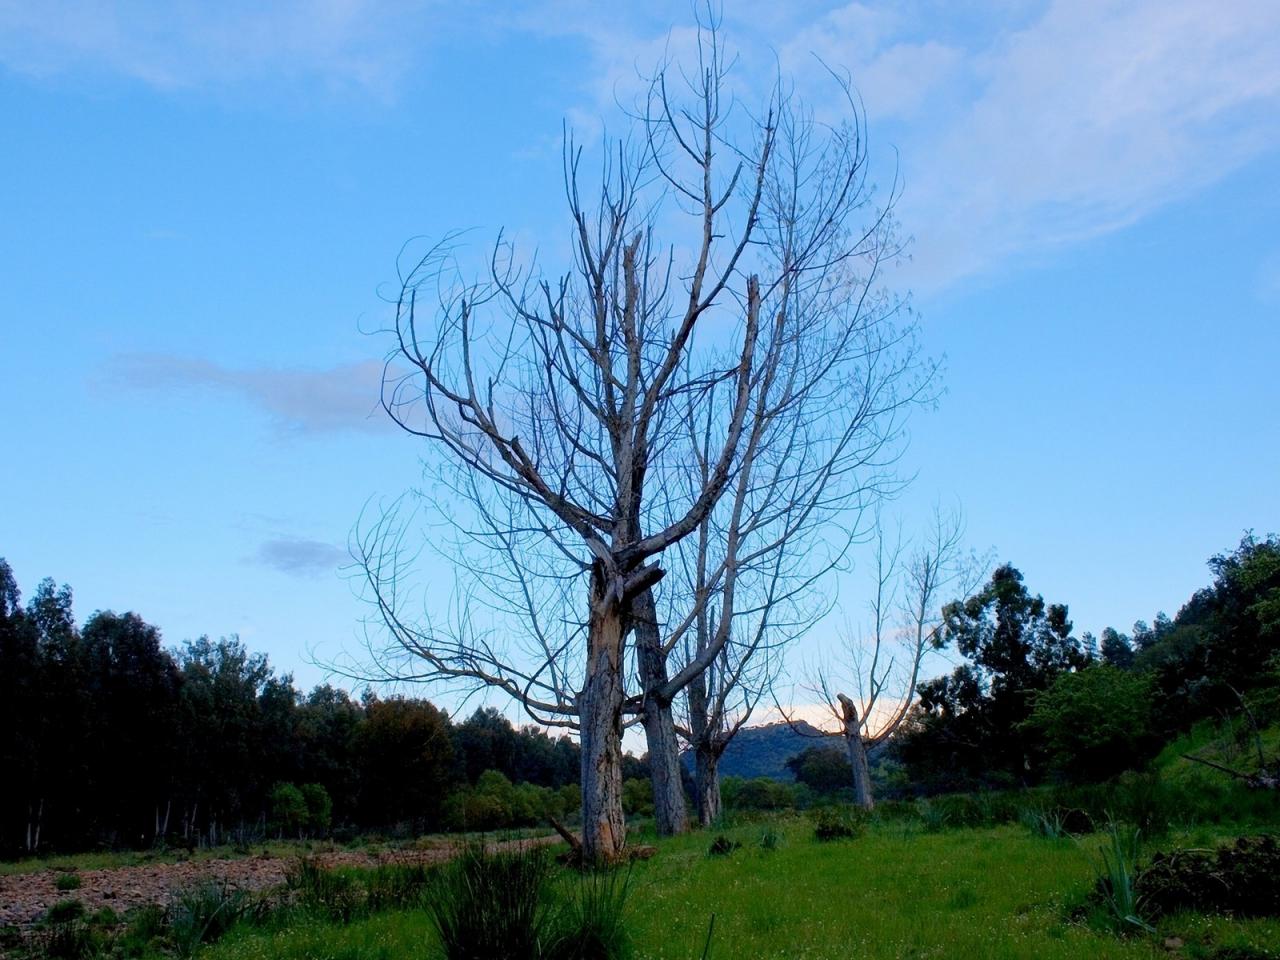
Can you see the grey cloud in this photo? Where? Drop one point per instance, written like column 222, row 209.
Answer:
column 299, row 557
column 336, row 399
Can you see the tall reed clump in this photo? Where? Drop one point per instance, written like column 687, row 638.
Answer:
column 327, row 893
column 203, row 914
column 505, row 905
column 1116, row 885
column 1048, row 822
column 590, row 921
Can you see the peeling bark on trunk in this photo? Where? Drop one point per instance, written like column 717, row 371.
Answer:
column 707, row 777
column 669, row 812
column 600, row 705
column 857, row 750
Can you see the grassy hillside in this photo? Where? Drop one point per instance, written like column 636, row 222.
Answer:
column 895, row 892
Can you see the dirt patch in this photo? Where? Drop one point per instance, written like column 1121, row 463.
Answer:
column 25, row 897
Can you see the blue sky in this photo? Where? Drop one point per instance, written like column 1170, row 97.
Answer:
column 202, row 204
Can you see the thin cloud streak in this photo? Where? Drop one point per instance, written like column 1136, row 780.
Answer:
column 342, row 398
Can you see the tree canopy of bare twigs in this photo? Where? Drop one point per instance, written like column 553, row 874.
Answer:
column 719, row 359
column 880, row 666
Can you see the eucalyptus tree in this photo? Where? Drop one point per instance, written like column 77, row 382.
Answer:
column 725, row 268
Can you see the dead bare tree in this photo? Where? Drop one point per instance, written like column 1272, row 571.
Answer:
column 554, row 406
column 883, row 666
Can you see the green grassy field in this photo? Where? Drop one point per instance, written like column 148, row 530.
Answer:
column 895, row 892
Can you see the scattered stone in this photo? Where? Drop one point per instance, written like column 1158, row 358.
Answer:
column 25, row 897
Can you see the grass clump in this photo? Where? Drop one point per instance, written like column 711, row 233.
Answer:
column 838, row 823
column 64, row 911
column 590, row 924
column 67, row 882
column 203, row 914
column 770, row 838
column 1056, row 823
column 487, row 905
column 323, row 892
column 508, row 906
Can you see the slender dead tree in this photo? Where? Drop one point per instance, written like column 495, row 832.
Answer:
column 882, row 667
column 752, row 579
column 554, row 404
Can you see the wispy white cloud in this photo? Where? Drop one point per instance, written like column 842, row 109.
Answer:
column 1022, row 130
column 337, row 399
column 1021, row 127
column 1090, row 118
column 186, row 43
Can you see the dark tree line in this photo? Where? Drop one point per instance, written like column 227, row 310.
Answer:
column 1030, row 700
column 109, row 737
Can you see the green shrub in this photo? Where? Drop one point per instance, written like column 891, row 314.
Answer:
column 888, row 810
column 637, row 797
column 839, row 823
column 722, row 846
column 288, row 809
column 759, row 793
column 319, row 808
column 1094, row 722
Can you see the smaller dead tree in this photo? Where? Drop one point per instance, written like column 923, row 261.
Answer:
column 882, row 667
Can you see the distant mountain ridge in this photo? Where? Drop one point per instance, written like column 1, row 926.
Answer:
column 763, row 751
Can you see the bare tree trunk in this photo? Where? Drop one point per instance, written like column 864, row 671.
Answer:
column 861, row 772
column 707, row 777
column 600, row 705
column 669, row 813
column 857, row 754
column 706, row 756
column 33, row 826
